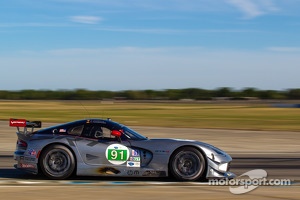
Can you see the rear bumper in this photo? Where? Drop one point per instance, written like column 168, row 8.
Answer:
column 26, row 163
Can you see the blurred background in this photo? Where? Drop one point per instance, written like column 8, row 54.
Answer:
column 221, row 71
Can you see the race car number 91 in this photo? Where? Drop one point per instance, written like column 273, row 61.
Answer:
column 117, row 154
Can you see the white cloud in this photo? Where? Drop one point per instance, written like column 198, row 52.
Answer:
column 247, row 7
column 254, row 8
column 86, row 19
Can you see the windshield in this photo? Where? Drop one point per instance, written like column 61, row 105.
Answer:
column 133, row 135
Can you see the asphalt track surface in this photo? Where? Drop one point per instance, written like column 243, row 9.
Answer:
column 14, row 182
column 285, row 164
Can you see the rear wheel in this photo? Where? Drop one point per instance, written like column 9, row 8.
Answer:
column 187, row 164
column 57, row 162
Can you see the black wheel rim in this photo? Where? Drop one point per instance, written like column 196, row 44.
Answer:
column 187, row 164
column 57, row 162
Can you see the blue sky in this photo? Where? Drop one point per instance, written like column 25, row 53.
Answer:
column 149, row 44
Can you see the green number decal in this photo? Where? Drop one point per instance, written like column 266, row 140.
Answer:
column 118, row 155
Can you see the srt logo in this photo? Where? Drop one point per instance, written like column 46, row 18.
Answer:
column 17, row 122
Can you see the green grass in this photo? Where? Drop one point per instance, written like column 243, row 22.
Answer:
column 219, row 116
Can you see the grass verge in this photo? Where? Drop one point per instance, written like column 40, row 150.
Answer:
column 192, row 115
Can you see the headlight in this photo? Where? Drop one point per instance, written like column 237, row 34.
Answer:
column 223, row 167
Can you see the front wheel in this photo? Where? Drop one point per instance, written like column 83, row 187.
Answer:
column 187, row 164
column 57, row 162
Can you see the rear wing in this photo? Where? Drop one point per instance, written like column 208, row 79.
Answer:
column 25, row 124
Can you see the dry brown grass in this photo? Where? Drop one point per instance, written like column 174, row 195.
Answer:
column 222, row 116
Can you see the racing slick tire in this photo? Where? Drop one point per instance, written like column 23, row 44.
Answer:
column 57, row 162
column 187, row 164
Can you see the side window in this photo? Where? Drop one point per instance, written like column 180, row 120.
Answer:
column 105, row 134
column 96, row 131
column 77, row 130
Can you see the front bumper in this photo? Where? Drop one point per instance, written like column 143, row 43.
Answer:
column 219, row 169
column 213, row 173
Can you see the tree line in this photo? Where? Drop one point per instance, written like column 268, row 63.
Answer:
column 168, row 94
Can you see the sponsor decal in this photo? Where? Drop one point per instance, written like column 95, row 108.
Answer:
column 130, row 173
column 133, row 172
column 32, row 152
column 98, row 122
column 22, row 165
column 17, row 122
column 162, row 151
column 117, row 154
column 135, row 153
column 27, row 159
column 151, row 173
column 133, row 164
column 62, row 130
column 136, row 159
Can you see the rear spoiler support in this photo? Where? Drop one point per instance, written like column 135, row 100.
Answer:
column 25, row 124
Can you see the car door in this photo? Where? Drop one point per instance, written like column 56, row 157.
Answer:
column 98, row 147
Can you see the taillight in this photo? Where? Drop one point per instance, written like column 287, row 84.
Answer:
column 21, row 144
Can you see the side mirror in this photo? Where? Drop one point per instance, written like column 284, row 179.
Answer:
column 116, row 133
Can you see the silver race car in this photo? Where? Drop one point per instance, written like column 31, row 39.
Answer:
column 98, row 147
